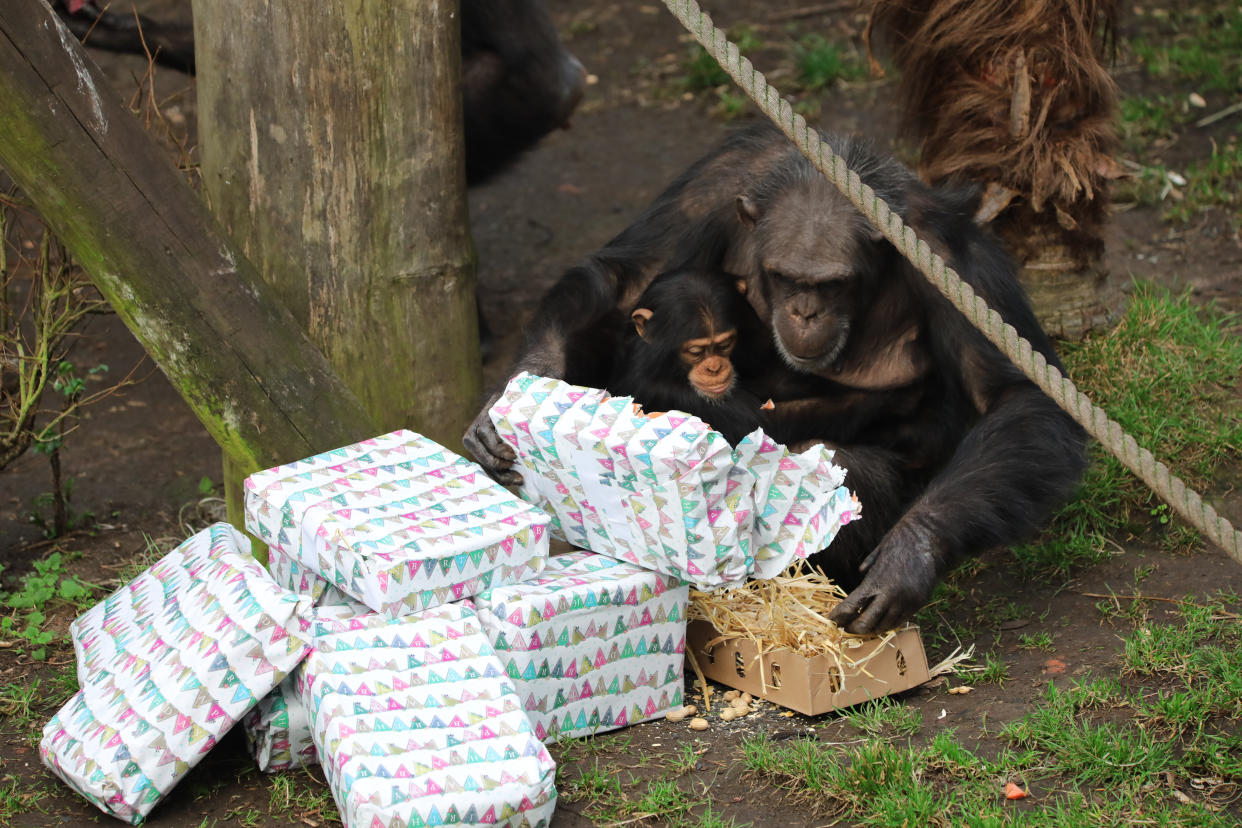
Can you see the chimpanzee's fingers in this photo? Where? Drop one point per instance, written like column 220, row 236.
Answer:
column 870, row 559
column 871, row 620
column 847, row 611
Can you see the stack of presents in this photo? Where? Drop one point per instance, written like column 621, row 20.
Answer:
column 411, row 632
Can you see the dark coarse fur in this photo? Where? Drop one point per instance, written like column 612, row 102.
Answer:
column 950, row 448
column 518, row 81
column 689, row 304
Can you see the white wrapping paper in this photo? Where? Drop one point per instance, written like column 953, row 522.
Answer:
column 592, row 644
column 416, row 724
column 397, row 522
column 166, row 665
column 664, row 491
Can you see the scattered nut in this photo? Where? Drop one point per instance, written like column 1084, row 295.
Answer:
column 960, row 690
column 680, row 713
column 698, row 724
column 730, row 695
column 746, row 698
column 1196, row 100
column 728, row 714
column 689, row 710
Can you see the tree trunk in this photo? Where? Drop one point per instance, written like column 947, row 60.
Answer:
column 1015, row 96
column 154, row 251
column 331, row 140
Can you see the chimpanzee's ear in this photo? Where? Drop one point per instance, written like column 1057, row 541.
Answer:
column 747, row 211
column 641, row 317
column 741, row 286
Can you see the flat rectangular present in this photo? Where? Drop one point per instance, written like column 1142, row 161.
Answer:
column 664, row 491
column 416, row 724
column 166, row 665
column 397, row 522
column 592, row 644
column 887, row 665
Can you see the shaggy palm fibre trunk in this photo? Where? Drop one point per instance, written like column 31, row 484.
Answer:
column 1013, row 95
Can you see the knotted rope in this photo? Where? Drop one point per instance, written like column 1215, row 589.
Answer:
column 1078, row 405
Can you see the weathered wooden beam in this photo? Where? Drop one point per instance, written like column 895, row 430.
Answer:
column 332, row 151
column 239, row 358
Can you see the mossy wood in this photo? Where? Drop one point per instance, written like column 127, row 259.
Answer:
column 156, row 253
column 332, row 152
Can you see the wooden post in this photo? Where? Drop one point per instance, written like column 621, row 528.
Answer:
column 331, row 141
column 241, row 361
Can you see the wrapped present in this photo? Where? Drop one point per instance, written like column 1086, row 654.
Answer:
column 277, row 731
column 166, row 665
column 664, row 491
column 592, row 644
column 397, row 522
column 416, row 723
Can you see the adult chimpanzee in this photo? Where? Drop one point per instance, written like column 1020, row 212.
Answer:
column 951, row 449
column 518, row 81
column 678, row 352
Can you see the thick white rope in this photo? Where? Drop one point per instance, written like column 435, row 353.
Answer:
column 1094, row 419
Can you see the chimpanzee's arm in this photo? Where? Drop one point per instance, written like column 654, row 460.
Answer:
column 1019, row 461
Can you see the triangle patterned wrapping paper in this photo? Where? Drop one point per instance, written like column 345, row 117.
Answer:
column 592, row 644
column 417, row 725
column 664, row 491
column 166, row 665
column 397, row 522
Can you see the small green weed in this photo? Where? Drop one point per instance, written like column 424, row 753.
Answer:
column 821, row 63
column 1216, row 182
column 1041, row 641
column 994, row 671
column 885, row 715
column 47, row 584
column 701, row 70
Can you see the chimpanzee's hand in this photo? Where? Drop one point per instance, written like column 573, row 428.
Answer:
column 491, row 452
column 900, row 575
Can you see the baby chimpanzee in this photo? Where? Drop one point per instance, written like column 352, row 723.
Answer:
column 680, row 352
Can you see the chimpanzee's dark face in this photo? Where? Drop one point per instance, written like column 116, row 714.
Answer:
column 812, row 251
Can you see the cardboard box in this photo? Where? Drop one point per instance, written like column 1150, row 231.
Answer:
column 811, row 685
column 665, row 491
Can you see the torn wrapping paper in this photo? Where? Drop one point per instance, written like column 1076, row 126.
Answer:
column 592, row 644
column 416, row 724
column 664, row 491
column 167, row 664
column 277, row 731
column 397, row 522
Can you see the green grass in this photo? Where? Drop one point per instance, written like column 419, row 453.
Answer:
column 885, row 716
column 821, row 63
column 1196, row 42
column 610, row 796
column 1149, row 118
column 1215, row 182
column 701, row 71
column 1168, row 374
column 1096, row 752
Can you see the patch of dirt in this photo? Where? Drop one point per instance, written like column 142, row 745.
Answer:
column 138, row 458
